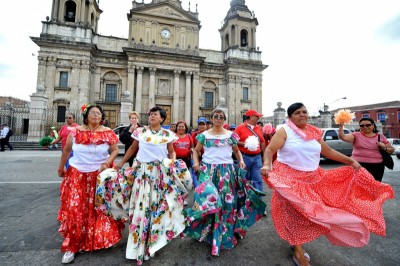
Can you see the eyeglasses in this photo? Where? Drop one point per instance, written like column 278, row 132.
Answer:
column 68, row 117
column 219, row 117
column 94, row 113
column 366, row 125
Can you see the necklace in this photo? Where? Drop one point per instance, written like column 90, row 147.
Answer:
column 94, row 129
column 154, row 131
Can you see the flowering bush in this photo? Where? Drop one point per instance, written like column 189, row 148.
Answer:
column 344, row 116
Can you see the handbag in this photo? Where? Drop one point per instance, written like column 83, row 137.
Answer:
column 386, row 157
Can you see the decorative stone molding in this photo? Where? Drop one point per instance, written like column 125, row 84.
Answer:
column 75, row 63
column 153, row 71
column 196, row 75
column 64, row 64
column 85, row 64
column 51, row 61
column 42, row 60
column 131, row 68
column 209, row 85
column 177, row 73
column 164, row 87
column 188, row 74
column 111, row 76
column 139, row 69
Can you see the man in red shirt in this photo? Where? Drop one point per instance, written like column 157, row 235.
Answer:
column 64, row 132
column 252, row 144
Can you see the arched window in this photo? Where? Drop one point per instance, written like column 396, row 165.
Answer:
column 226, row 41
column 70, row 11
column 233, row 35
column 243, row 38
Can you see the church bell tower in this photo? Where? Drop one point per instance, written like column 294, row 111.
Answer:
column 239, row 28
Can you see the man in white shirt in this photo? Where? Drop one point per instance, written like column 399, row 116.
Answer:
column 5, row 137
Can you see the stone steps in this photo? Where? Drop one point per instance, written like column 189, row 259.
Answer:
column 28, row 146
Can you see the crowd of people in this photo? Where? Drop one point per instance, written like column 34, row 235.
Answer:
column 223, row 166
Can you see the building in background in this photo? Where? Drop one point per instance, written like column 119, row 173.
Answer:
column 386, row 116
column 160, row 63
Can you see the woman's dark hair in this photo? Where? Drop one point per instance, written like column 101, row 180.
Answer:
column 292, row 108
column 184, row 123
column 218, row 111
column 375, row 130
column 163, row 113
column 85, row 115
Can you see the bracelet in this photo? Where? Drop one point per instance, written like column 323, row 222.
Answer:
column 107, row 165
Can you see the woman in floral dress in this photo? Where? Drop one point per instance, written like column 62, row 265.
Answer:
column 84, row 228
column 150, row 194
column 225, row 206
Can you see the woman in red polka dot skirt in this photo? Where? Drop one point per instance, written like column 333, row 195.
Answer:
column 342, row 204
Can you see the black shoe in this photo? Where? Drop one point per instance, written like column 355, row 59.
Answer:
column 11, row 148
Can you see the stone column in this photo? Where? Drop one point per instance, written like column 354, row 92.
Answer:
column 238, row 102
column 231, row 99
column 152, row 87
column 96, row 79
column 188, row 96
column 131, row 81
column 50, row 74
column 196, row 96
column 175, row 103
column 83, row 13
column 139, row 84
column 37, row 110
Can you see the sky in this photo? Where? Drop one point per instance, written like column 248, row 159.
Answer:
column 317, row 51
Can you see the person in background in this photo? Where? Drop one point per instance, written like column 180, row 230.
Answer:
column 53, row 135
column 82, row 227
column 251, row 145
column 64, row 132
column 232, row 127
column 342, row 204
column 225, row 206
column 5, row 137
column 209, row 124
column 125, row 136
column 183, row 146
column 268, row 132
column 366, row 146
column 172, row 127
column 149, row 195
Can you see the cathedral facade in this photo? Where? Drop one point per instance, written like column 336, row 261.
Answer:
column 160, row 63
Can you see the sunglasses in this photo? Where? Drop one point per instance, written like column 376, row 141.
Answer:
column 68, row 117
column 219, row 117
column 366, row 125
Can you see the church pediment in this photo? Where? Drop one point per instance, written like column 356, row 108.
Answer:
column 164, row 10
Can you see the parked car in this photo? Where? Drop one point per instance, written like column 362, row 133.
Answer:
column 397, row 153
column 331, row 137
column 395, row 143
column 121, row 146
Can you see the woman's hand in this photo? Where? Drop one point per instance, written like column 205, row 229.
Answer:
column 118, row 166
column 196, row 167
column 265, row 170
column 61, row 172
column 242, row 165
column 132, row 128
column 103, row 167
column 356, row 165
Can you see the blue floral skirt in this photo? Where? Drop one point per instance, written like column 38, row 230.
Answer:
column 225, row 206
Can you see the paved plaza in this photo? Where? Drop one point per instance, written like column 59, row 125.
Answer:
column 29, row 201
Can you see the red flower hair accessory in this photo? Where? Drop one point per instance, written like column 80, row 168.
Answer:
column 84, row 108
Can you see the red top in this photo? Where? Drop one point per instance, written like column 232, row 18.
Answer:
column 244, row 132
column 64, row 132
column 182, row 147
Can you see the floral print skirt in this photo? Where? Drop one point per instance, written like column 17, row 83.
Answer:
column 82, row 226
column 149, row 196
column 225, row 207
column 342, row 204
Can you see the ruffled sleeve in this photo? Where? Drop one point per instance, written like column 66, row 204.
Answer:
column 233, row 140
column 201, row 138
column 99, row 137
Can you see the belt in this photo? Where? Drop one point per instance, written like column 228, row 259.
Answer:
column 250, row 155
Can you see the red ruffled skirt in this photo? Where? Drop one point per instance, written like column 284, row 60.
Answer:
column 342, row 204
column 83, row 227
